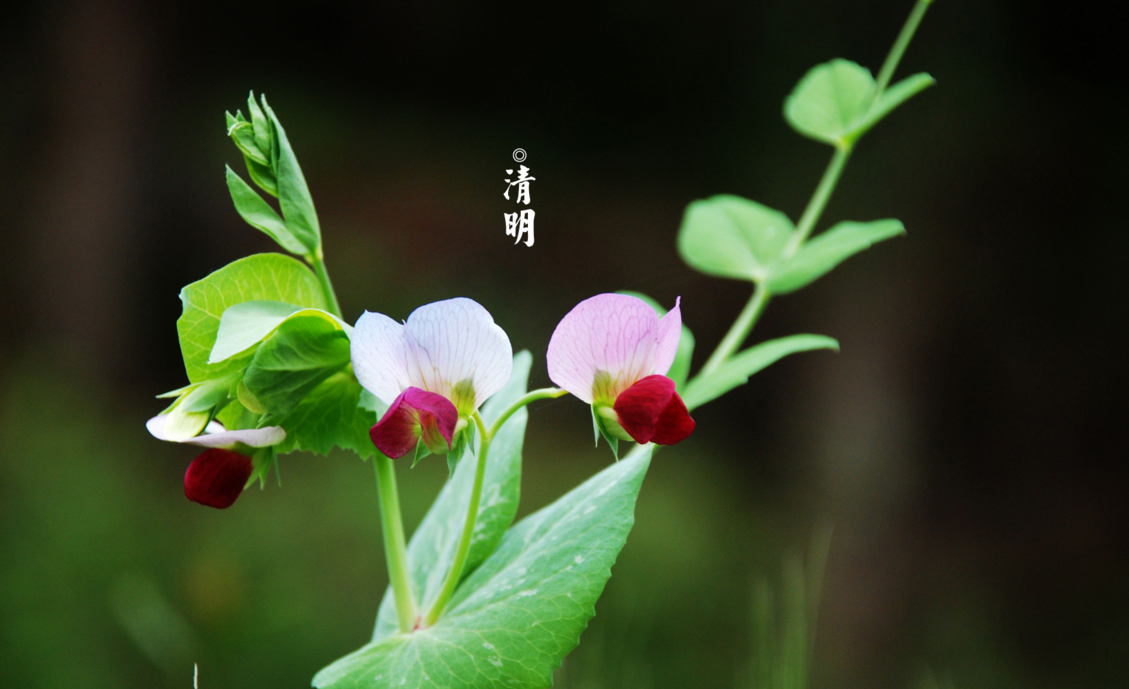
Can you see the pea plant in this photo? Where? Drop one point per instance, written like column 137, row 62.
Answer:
column 476, row 600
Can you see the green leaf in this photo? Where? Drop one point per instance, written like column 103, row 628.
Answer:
column 680, row 369
column 243, row 134
column 829, row 100
column 244, row 325
column 261, row 125
column 293, row 194
column 732, row 237
column 304, row 350
column 260, row 215
column 737, row 370
column 515, row 618
column 893, row 97
column 262, row 175
column 818, row 256
column 433, row 545
column 330, row 415
column 269, row 277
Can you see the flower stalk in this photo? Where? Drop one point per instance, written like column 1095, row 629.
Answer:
column 456, row 572
column 395, row 549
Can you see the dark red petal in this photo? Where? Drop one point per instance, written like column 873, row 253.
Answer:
column 216, row 478
column 675, row 424
column 639, row 406
column 651, row 411
column 442, row 409
column 397, row 433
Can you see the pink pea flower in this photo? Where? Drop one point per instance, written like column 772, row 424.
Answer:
column 433, row 371
column 613, row 351
column 217, row 476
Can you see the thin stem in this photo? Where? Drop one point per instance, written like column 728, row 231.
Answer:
column 900, row 45
column 531, row 396
column 456, row 572
column 740, row 330
column 318, row 263
column 757, row 303
column 819, row 199
column 395, row 551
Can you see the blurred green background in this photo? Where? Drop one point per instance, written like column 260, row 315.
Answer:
column 966, row 444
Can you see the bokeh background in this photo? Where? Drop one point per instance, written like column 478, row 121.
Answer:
column 967, row 444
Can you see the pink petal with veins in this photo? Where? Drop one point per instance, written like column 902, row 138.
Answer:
column 615, row 333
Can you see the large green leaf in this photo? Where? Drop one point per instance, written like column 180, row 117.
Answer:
column 680, row 369
column 260, row 215
column 330, row 415
column 736, row 371
column 818, row 256
column 269, row 277
column 293, row 193
column 829, row 99
column 515, row 618
column 433, row 544
column 732, row 237
column 304, row 350
column 244, row 325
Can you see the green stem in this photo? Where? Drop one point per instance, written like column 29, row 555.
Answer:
column 819, row 199
column 531, row 396
column 395, row 551
column 761, row 296
column 740, row 330
column 318, row 263
column 456, row 572
column 900, row 45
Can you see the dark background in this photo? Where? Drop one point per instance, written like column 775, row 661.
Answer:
column 967, row 443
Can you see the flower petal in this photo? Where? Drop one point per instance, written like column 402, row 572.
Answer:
column 156, row 426
column 380, row 356
column 667, row 336
column 608, row 332
column 398, row 431
column 215, row 435
column 252, row 437
column 216, row 478
column 674, row 424
column 651, row 411
column 453, row 341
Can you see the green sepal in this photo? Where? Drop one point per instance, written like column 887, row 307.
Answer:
column 262, row 460
column 680, row 369
column 598, row 425
column 422, row 450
